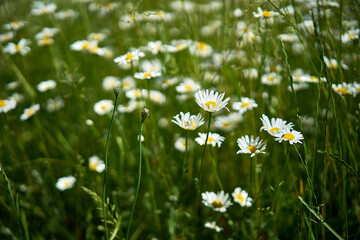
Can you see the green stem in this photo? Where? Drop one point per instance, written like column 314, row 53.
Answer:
column 138, row 183
column 185, row 163
column 106, row 166
column 215, row 170
column 203, row 156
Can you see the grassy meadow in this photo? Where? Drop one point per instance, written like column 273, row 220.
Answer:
column 226, row 119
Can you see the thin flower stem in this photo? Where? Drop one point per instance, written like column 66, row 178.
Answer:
column 203, row 156
column 106, row 166
column 185, row 163
column 138, row 183
column 215, row 170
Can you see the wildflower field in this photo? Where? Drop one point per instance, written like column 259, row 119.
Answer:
column 224, row 119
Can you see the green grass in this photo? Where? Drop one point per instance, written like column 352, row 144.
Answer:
column 308, row 190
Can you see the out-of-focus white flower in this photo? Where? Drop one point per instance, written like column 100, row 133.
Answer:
column 46, row 85
column 65, row 183
column 103, row 107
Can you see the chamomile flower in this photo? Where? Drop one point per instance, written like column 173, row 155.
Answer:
column 250, row 145
column 188, row 86
column 45, row 41
column 14, row 25
column 157, row 97
column 129, row 57
column 135, row 94
column 95, row 164
column 110, row 82
column 155, row 47
column 99, row 37
column 180, row 144
column 218, row 202
column 46, row 85
column 201, row 49
column 46, row 33
column 225, row 123
column 275, row 126
column 127, row 83
column 29, row 112
column 211, row 102
column 350, row 36
column 244, row 105
column 146, row 75
column 41, row 8
column 54, row 104
column 264, row 14
column 5, row 37
column 213, row 139
column 65, row 183
column 212, row 225
column 271, row 78
column 289, row 135
column 103, row 107
column 127, row 107
column 83, row 45
column 7, row 105
column 22, row 47
column 242, row 197
column 178, row 45
column 187, row 121
column 343, row 89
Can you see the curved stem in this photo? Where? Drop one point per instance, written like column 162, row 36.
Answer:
column 203, row 156
column 138, row 183
column 105, row 170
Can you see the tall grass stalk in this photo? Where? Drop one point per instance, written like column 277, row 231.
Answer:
column 116, row 92
column 144, row 115
column 203, row 155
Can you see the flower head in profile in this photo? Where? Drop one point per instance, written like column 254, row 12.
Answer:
column 213, row 139
column 275, row 125
column 289, row 135
column 250, row 145
column 343, row 88
column 212, row 225
column 129, row 57
column 244, row 105
column 218, row 202
column 65, row 183
column 7, row 105
column 187, row 121
column 146, row 75
column 211, row 102
column 46, row 85
column 103, row 106
column 29, row 112
column 242, row 197
column 264, row 14
column 95, row 164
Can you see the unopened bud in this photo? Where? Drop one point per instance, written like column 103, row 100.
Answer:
column 116, row 91
column 144, row 114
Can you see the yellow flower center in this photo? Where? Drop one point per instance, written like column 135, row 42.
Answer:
column 210, row 139
column 2, row 103
column 92, row 166
column 270, row 78
column 274, row 129
column 67, row 184
column 202, row 46
column 226, row 124
column 273, row 68
column 104, row 107
column 147, row 74
column 192, row 126
column 94, row 49
column 212, row 103
column 189, row 87
column 313, row 78
column 252, row 149
column 240, row 197
column 86, row 46
column 30, row 112
column 125, row 84
column 289, row 136
column 18, row 47
column 266, row 14
column 129, row 56
column 137, row 93
column 342, row 90
column 245, row 104
column 352, row 36
column 160, row 14
column 217, row 204
column 46, row 41
column 180, row 47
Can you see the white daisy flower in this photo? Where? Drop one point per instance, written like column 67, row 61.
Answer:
column 275, row 126
column 7, row 105
column 187, row 122
column 5, row 37
column 96, row 164
column 146, row 75
column 177, row 45
column 350, row 36
column 333, row 64
column 135, row 94
column 45, row 41
column 127, row 107
column 218, row 202
column 127, row 83
column 224, row 123
column 65, row 14
column 212, row 225
column 343, row 88
column 151, row 65
column 46, row 33
column 29, row 112
column 289, row 135
column 188, row 86
column 83, row 45
column 99, row 37
column 250, row 73
column 250, row 145
column 129, row 57
column 264, row 14
column 201, row 49
column 271, row 78
column 65, row 183
column 157, row 97
column 244, row 105
column 242, row 197
column 180, row 144
column 41, row 8
column 110, row 82
column 213, row 139
column 211, row 102
column 22, row 47
column 155, row 47
column 46, row 85
column 103, row 106
column 15, row 25
column 54, row 104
